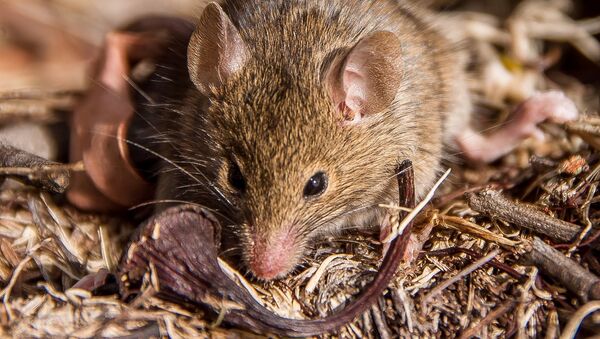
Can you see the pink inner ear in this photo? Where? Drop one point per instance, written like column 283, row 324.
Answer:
column 351, row 94
column 367, row 80
column 355, row 93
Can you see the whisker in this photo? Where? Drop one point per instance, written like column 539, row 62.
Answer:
column 137, row 88
column 175, row 201
column 180, row 168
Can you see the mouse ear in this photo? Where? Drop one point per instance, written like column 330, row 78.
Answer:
column 366, row 80
column 216, row 49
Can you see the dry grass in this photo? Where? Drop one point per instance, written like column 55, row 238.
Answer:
column 471, row 277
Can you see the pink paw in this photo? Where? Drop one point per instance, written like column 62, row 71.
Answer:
column 553, row 106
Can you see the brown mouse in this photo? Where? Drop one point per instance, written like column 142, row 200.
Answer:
column 288, row 117
column 299, row 113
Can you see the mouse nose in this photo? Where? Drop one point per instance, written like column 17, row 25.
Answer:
column 274, row 255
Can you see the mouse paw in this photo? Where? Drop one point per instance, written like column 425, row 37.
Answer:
column 552, row 106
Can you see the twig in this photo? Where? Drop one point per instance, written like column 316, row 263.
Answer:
column 13, row 280
column 553, row 326
column 574, row 277
column 37, row 171
column 403, row 305
column 577, row 318
column 466, row 226
column 443, row 200
column 494, row 263
column 415, row 211
column 35, row 105
column 591, row 239
column 586, row 219
column 495, row 314
column 380, row 324
column 37, row 94
column 493, row 204
column 586, row 128
column 27, row 111
column 466, row 271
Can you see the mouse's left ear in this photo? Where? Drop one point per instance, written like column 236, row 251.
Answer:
column 366, row 80
column 216, row 49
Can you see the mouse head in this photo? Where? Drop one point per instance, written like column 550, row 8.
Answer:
column 301, row 145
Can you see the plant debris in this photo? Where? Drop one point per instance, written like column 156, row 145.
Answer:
column 516, row 256
column 36, row 171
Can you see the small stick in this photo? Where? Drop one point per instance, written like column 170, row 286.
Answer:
column 27, row 111
column 466, row 271
column 415, row 211
column 403, row 305
column 447, row 198
column 379, row 319
column 466, row 226
column 494, row 263
column 36, row 94
column 493, row 204
column 552, row 327
column 588, row 128
column 495, row 314
column 37, row 171
column 586, row 219
column 574, row 277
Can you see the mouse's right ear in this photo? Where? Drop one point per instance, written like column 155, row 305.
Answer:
column 216, row 49
column 365, row 81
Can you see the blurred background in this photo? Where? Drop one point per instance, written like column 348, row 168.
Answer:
column 47, row 43
column 516, row 46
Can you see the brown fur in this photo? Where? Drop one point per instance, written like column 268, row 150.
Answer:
column 276, row 120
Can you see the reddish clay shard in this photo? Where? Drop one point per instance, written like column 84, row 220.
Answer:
column 100, row 124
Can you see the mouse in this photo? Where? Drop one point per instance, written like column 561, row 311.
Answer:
column 297, row 114
column 288, row 118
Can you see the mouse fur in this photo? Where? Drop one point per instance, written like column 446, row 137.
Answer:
column 267, row 94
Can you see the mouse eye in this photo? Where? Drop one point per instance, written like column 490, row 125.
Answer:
column 316, row 185
column 236, row 179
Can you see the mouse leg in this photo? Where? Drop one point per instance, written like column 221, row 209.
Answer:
column 553, row 106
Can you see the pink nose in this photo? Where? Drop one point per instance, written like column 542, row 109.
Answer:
column 273, row 256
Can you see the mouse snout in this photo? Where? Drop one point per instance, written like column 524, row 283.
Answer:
column 273, row 255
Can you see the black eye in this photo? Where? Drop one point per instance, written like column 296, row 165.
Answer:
column 236, row 179
column 316, row 185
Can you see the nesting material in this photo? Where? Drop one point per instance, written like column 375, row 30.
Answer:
column 482, row 271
